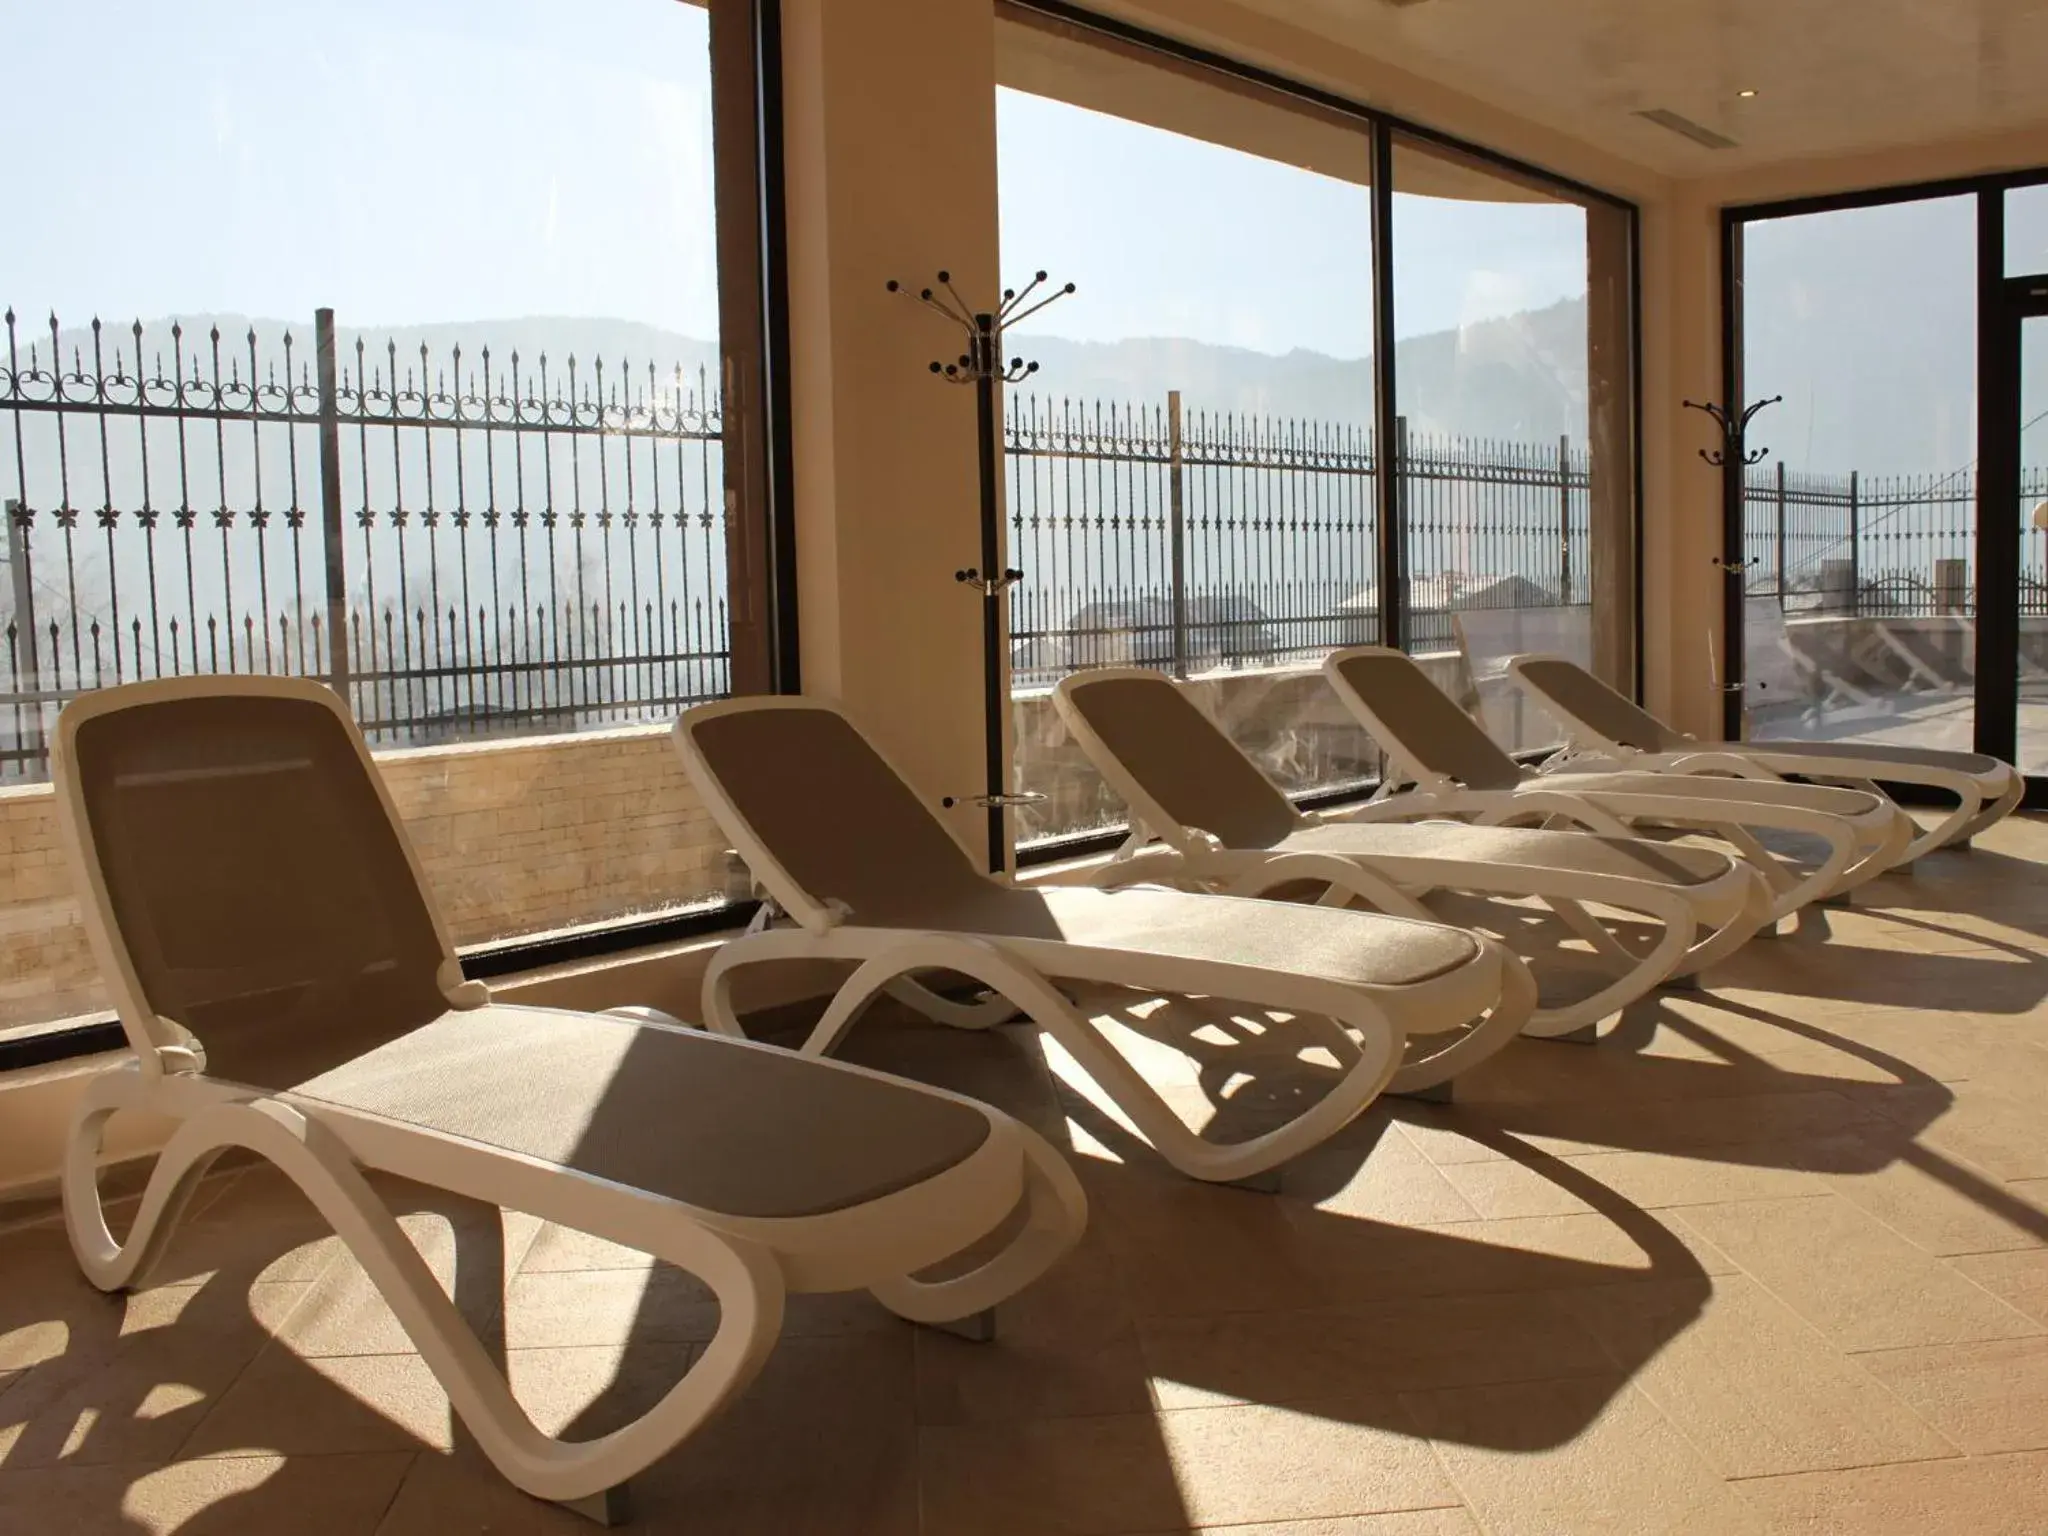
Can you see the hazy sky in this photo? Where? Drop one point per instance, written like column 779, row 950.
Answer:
column 401, row 160
column 409, row 161
column 1172, row 236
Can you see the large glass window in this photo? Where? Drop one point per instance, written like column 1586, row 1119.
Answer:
column 1191, row 473
column 1514, row 438
column 385, row 348
column 1195, row 473
column 1862, row 524
column 2026, row 230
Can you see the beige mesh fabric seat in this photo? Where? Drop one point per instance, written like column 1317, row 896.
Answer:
column 1609, row 726
column 287, row 988
column 862, row 872
column 1202, row 812
column 1455, row 769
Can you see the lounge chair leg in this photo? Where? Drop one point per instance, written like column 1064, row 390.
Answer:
column 975, row 1327
column 608, row 1507
column 1585, row 1034
column 1435, row 1093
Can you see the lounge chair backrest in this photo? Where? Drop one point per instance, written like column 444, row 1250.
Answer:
column 1420, row 722
column 1583, row 697
column 834, row 820
column 244, row 876
column 1179, row 758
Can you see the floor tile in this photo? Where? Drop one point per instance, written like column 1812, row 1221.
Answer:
column 446, row 1495
column 1377, row 1174
column 1333, row 1356
column 127, row 1379
column 1660, row 1180
column 823, row 1443
column 287, row 1405
column 1944, row 1205
column 1985, row 1496
column 310, row 1496
column 1852, row 1277
column 1199, row 1467
column 546, row 1309
column 1064, row 1348
column 1748, row 1382
column 1575, row 1457
column 1357, row 1261
column 138, row 1404
column 1997, row 1130
column 1182, row 1247
column 1407, row 1522
column 2020, row 1280
column 1985, row 1397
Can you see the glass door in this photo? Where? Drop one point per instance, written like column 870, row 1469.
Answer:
column 2031, row 681
column 1860, row 524
column 2015, row 553
column 1893, row 543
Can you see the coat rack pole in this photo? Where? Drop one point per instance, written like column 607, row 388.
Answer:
column 986, row 345
column 1733, row 458
column 983, row 366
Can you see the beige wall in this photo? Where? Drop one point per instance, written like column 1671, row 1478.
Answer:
column 891, row 153
column 1900, row 165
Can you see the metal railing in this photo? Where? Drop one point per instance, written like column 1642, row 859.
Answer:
column 1155, row 536
column 514, row 544
column 1870, row 546
column 507, row 543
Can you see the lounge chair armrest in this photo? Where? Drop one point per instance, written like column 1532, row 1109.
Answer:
column 1708, row 760
column 1159, row 869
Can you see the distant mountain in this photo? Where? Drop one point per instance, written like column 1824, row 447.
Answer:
column 1522, row 378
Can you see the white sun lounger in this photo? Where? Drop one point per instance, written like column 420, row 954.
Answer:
column 864, row 873
column 1226, row 827
column 1456, row 769
column 287, row 988
column 1605, row 724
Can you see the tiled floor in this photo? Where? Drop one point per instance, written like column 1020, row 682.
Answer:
column 1772, row 1257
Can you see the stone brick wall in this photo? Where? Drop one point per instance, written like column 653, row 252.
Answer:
column 543, row 833
column 517, row 837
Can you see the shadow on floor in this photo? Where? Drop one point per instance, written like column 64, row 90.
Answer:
column 1220, row 1296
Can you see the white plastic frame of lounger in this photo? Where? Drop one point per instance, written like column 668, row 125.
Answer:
column 1732, row 906
column 749, row 1263
column 1860, row 847
column 1017, row 972
column 1982, row 799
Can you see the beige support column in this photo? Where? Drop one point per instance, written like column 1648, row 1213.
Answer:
column 1681, row 495
column 890, row 158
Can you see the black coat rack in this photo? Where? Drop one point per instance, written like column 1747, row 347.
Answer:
column 1732, row 458
column 982, row 365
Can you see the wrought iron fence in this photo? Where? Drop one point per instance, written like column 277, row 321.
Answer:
column 1156, row 536
column 509, row 543
column 1893, row 546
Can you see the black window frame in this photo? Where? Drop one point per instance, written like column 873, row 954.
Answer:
column 1382, row 128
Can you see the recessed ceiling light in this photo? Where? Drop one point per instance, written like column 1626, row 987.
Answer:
column 1745, row 95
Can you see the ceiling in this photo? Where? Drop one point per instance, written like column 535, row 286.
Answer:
column 1830, row 76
